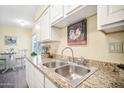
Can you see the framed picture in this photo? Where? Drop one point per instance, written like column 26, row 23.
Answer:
column 10, row 40
column 77, row 33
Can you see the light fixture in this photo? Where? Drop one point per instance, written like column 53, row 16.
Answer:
column 23, row 22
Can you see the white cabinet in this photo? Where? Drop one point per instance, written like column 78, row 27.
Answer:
column 110, row 14
column 30, row 74
column 49, row 84
column 70, row 8
column 56, row 12
column 47, row 32
column 75, row 13
column 110, row 17
column 39, row 79
column 45, row 25
column 27, row 73
column 37, row 30
column 36, row 79
column 43, row 29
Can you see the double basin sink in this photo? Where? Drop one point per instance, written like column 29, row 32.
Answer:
column 72, row 73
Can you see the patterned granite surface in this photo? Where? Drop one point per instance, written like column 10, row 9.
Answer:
column 108, row 75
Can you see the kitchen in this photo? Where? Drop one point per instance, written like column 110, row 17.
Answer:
column 73, row 46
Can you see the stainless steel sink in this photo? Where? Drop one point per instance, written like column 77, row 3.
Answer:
column 71, row 73
column 54, row 64
column 74, row 74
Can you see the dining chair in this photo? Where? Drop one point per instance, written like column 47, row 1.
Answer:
column 2, row 62
column 20, row 58
column 7, row 60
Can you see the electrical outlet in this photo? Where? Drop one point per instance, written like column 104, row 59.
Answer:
column 116, row 47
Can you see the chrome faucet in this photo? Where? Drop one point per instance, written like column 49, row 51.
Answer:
column 71, row 51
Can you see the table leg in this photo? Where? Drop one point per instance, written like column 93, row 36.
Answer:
column 7, row 64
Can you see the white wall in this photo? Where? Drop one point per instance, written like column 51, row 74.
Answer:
column 23, row 37
column 97, row 44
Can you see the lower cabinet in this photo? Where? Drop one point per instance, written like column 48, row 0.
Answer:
column 39, row 79
column 30, row 74
column 36, row 79
column 49, row 84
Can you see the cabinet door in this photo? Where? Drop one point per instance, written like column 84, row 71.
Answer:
column 49, row 84
column 27, row 72
column 56, row 12
column 38, row 30
column 45, row 25
column 39, row 79
column 30, row 74
column 70, row 8
column 108, row 14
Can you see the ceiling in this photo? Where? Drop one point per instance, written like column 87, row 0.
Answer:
column 17, row 15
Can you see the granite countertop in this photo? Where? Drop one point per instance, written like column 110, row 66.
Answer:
column 108, row 75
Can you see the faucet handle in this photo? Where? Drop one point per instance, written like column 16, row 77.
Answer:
column 81, row 60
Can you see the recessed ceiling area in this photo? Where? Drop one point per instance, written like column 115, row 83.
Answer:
column 17, row 15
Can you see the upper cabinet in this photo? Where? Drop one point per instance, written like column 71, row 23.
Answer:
column 59, row 16
column 39, row 11
column 37, row 30
column 56, row 12
column 74, row 13
column 45, row 25
column 110, row 18
column 43, row 28
column 70, row 8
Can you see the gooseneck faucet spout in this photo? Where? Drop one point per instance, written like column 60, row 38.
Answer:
column 71, row 51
